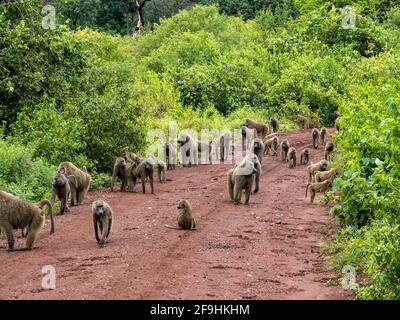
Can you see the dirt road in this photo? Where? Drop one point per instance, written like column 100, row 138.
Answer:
column 267, row 250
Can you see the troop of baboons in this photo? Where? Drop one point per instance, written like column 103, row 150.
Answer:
column 71, row 183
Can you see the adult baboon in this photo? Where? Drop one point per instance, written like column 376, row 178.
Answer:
column 262, row 129
column 128, row 178
column 247, row 137
column 192, row 146
column 102, row 220
column 326, row 175
column 184, row 219
column 315, row 137
column 284, row 150
column 292, row 157
column 271, row 146
column 274, row 123
column 304, row 121
column 313, row 168
column 242, row 178
column 318, row 187
column 224, row 146
column 170, row 154
column 79, row 181
column 305, row 156
column 323, row 135
column 61, row 189
column 329, row 147
column 19, row 214
column 161, row 171
column 118, row 171
column 257, row 147
column 142, row 170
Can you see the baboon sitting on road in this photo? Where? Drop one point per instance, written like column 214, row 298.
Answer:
column 184, row 219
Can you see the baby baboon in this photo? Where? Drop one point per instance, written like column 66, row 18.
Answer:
column 323, row 135
column 305, row 156
column 102, row 220
column 242, row 178
column 170, row 155
column 262, row 129
column 143, row 170
column 184, row 218
column 284, row 150
column 18, row 214
column 326, row 175
column 247, row 137
column 274, row 123
column 329, row 147
column 257, row 147
column 79, row 181
column 313, row 168
column 161, row 171
column 191, row 147
column 61, row 189
column 315, row 137
column 118, row 171
column 271, row 146
column 292, row 157
column 317, row 187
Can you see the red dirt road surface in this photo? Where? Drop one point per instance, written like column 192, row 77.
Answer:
column 266, row 250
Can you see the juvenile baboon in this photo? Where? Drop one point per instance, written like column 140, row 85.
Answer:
column 284, row 150
column 274, row 123
column 61, row 189
column 170, row 154
column 336, row 115
column 161, row 171
column 305, row 156
column 329, row 147
column 262, row 129
column 192, row 146
column 292, row 157
column 19, row 214
column 315, row 137
column 224, row 146
column 257, row 147
column 247, row 137
column 118, row 171
column 271, row 146
column 184, row 219
column 317, row 187
column 313, row 168
column 242, row 178
column 323, row 135
column 143, row 170
column 326, row 175
column 102, row 220
column 79, row 181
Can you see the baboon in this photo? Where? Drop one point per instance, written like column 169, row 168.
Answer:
column 305, row 156
column 118, row 171
column 292, row 157
column 142, row 170
column 315, row 137
column 317, row 187
column 257, row 147
column 271, row 146
column 184, row 219
column 313, row 168
column 247, row 137
column 304, row 121
column 262, row 129
column 329, row 147
column 79, row 181
column 128, row 177
column 224, row 146
column 161, row 171
column 242, row 178
column 274, row 123
column 326, row 175
column 19, row 214
column 284, row 150
column 323, row 135
column 336, row 115
column 102, row 220
column 61, row 189
column 170, row 154
column 192, row 146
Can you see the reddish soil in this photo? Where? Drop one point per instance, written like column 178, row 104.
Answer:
column 266, row 250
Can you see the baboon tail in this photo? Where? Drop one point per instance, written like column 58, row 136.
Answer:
column 171, row 227
column 48, row 204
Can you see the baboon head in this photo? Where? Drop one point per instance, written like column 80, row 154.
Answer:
column 183, row 139
column 183, row 204
column 59, row 180
column 324, row 165
column 149, row 165
column 99, row 208
column 257, row 145
column 315, row 133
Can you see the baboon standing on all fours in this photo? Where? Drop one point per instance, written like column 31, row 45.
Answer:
column 184, row 219
column 170, row 155
column 118, row 171
column 102, row 220
column 257, row 147
column 19, row 214
column 313, row 168
column 79, row 181
column 318, row 187
column 315, row 137
column 323, row 135
column 326, row 175
column 284, row 150
column 190, row 148
column 262, row 129
column 274, row 123
column 143, row 170
column 271, row 146
column 61, row 189
column 292, row 157
column 305, row 156
column 329, row 147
